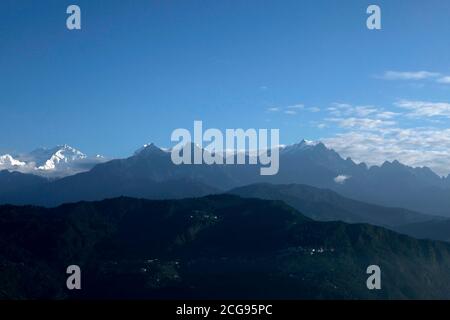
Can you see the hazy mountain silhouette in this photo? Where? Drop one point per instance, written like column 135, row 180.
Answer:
column 150, row 173
column 327, row 205
column 16, row 182
column 391, row 184
column 435, row 230
column 214, row 247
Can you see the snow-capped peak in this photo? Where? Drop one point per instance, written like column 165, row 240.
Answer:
column 309, row 142
column 302, row 145
column 59, row 161
column 148, row 148
column 50, row 159
column 7, row 161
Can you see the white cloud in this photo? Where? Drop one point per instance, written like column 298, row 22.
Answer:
column 445, row 80
column 361, row 123
column 363, row 117
column 340, row 179
column 387, row 115
column 290, row 110
column 347, row 110
column 425, row 108
column 408, row 75
column 296, row 106
column 338, row 109
column 416, row 76
column 364, row 111
column 314, row 109
column 9, row 162
column 341, row 105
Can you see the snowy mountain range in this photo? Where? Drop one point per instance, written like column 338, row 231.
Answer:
column 150, row 173
column 59, row 161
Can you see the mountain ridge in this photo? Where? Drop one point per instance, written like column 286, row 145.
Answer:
column 392, row 184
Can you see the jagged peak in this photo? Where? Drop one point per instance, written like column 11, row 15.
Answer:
column 302, row 145
column 149, row 148
column 394, row 163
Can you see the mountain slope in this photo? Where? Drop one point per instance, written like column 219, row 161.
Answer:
column 16, row 182
column 326, row 205
column 213, row 247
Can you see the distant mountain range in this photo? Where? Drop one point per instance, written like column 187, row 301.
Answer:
column 55, row 162
column 219, row 246
column 435, row 229
column 327, row 205
column 150, row 173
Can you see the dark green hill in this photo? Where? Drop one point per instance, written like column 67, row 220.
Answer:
column 212, row 247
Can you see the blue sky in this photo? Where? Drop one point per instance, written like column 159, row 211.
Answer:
column 138, row 70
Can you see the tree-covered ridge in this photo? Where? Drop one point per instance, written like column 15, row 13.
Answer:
column 212, row 247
